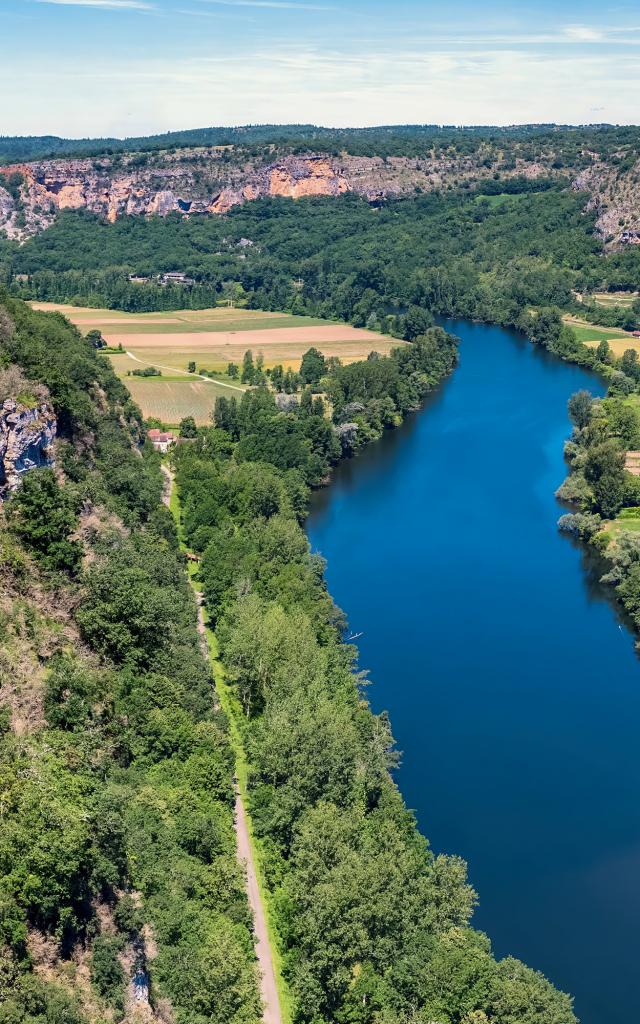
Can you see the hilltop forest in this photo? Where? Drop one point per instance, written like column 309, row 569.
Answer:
column 567, row 142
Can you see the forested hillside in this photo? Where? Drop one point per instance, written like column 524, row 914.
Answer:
column 567, row 142
column 491, row 255
column 120, row 891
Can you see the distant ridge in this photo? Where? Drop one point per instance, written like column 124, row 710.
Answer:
column 392, row 139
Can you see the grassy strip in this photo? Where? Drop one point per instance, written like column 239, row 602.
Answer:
column 233, row 712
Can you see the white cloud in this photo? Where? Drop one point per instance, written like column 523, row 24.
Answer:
column 584, row 34
column 111, row 5
column 298, row 82
column 288, row 5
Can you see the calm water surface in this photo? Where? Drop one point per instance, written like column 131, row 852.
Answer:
column 511, row 682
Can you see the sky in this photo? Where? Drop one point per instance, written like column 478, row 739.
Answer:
column 81, row 68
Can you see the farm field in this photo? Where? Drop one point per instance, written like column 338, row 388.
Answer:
column 615, row 298
column 212, row 338
column 172, row 400
column 215, row 337
column 619, row 341
column 114, row 323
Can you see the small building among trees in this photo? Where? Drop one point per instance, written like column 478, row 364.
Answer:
column 161, row 440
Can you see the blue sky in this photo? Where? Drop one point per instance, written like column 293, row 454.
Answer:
column 128, row 67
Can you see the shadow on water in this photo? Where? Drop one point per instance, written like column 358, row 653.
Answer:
column 507, row 668
column 594, row 567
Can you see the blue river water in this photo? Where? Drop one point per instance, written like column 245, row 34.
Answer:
column 510, row 678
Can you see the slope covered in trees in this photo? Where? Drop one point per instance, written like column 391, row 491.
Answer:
column 489, row 254
column 117, row 851
column 117, row 847
column 567, row 143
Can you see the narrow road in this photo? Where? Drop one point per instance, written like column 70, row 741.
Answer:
column 272, row 1013
column 174, row 370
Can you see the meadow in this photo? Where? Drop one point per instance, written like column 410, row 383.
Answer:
column 619, row 341
column 215, row 337
column 615, row 298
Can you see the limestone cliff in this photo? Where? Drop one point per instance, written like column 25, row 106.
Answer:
column 615, row 197
column 211, row 181
column 27, row 436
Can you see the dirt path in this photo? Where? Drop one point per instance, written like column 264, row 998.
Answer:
column 268, row 988
column 168, row 485
column 173, row 370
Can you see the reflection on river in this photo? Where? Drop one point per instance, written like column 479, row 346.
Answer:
column 512, row 684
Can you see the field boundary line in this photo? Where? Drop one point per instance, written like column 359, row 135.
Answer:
column 201, row 376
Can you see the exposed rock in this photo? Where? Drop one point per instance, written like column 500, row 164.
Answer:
column 27, row 436
column 201, row 181
column 8, row 215
column 212, row 181
column 615, row 198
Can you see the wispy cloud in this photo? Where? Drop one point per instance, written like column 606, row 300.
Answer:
column 584, row 34
column 110, row 5
column 288, row 5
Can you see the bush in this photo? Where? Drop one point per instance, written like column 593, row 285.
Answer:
column 107, row 974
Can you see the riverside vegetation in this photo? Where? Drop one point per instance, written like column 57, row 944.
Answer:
column 108, row 712
column 373, row 926
column 605, row 495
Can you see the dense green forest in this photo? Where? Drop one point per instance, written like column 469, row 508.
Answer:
column 488, row 254
column 117, row 847
column 374, row 926
column 568, row 142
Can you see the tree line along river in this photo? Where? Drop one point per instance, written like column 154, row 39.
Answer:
column 510, row 678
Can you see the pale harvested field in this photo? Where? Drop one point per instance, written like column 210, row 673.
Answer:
column 615, row 298
column 212, row 338
column 618, row 345
column 213, row 351
column 115, row 324
column 171, row 401
column 215, row 337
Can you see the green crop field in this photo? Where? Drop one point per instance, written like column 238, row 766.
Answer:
column 172, row 400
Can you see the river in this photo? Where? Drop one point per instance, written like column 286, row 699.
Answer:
column 511, row 681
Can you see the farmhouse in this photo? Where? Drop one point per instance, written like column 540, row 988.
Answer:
column 161, row 440
column 176, row 277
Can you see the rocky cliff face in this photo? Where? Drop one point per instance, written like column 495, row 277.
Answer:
column 211, row 181
column 615, row 197
column 27, row 438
